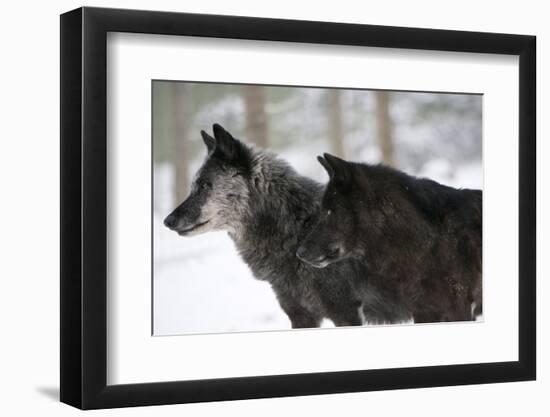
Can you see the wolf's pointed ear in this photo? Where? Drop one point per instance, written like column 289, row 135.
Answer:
column 326, row 165
column 226, row 145
column 209, row 141
column 337, row 168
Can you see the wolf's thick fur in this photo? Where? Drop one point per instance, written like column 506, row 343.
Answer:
column 267, row 209
column 422, row 237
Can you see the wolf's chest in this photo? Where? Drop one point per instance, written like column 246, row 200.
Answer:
column 270, row 263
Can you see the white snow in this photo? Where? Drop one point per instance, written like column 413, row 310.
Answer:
column 204, row 287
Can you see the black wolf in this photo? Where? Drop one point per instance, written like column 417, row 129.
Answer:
column 267, row 208
column 422, row 237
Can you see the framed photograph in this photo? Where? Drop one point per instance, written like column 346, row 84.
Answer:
column 256, row 208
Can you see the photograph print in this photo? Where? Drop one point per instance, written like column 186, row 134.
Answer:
column 291, row 207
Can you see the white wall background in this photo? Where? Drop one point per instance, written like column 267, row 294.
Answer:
column 29, row 166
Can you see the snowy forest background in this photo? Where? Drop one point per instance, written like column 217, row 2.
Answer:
column 200, row 285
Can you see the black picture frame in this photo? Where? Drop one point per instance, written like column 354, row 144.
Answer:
column 84, row 207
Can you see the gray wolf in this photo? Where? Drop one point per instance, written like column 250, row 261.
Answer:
column 267, row 208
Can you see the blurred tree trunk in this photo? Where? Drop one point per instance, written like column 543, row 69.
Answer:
column 336, row 134
column 384, row 126
column 181, row 116
column 256, row 116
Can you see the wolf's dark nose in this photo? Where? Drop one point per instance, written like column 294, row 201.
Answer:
column 300, row 253
column 170, row 221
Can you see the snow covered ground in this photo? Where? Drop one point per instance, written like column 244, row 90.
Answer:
column 208, row 289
